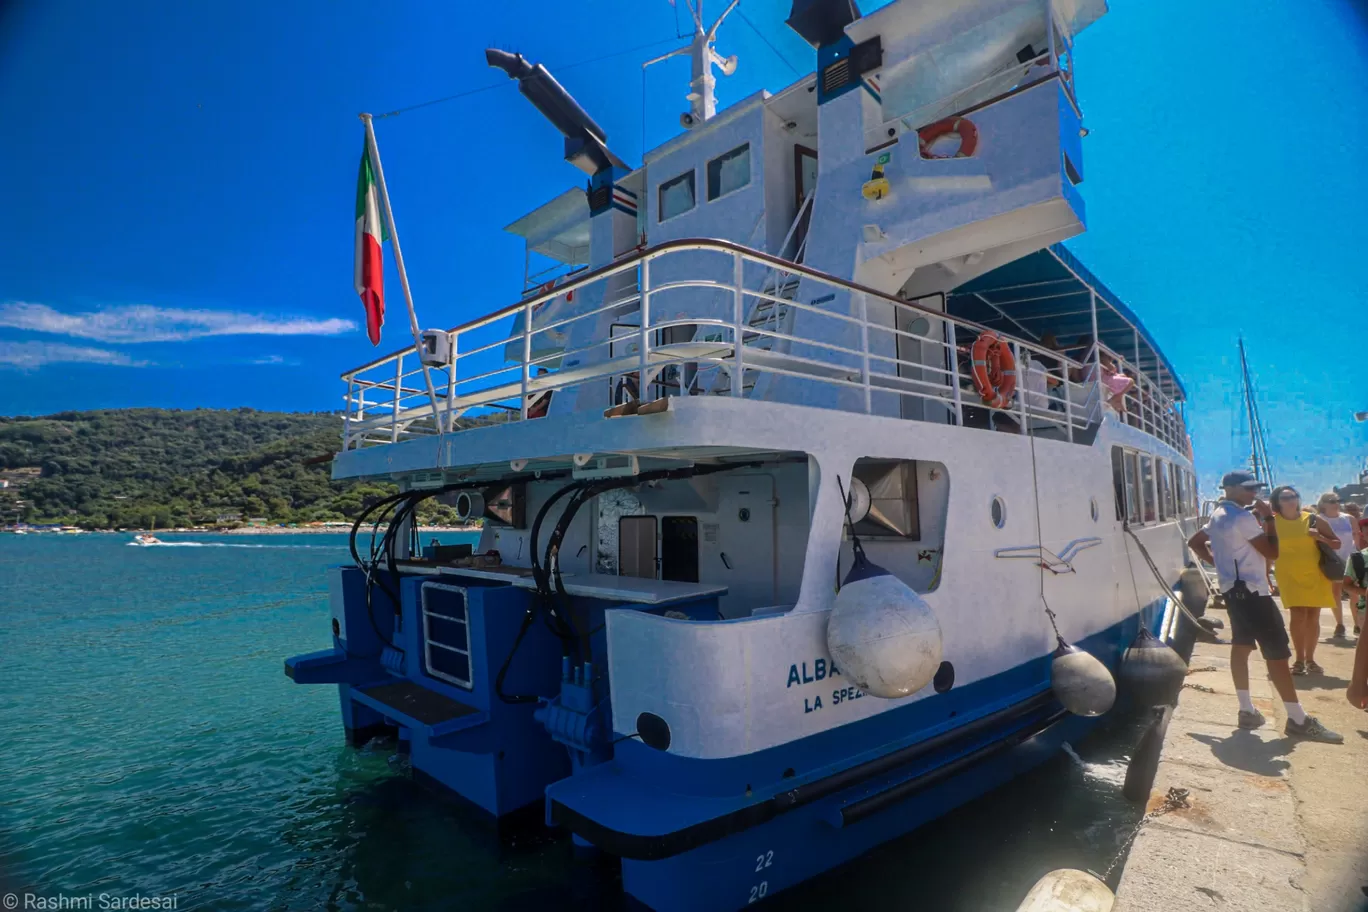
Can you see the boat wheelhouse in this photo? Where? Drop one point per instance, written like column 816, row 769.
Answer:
column 824, row 326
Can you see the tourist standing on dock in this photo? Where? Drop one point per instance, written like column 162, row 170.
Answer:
column 1239, row 542
column 1305, row 590
column 1345, row 528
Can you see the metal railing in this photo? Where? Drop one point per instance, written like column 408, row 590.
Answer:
column 620, row 327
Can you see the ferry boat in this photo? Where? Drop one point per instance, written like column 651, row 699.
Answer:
column 811, row 335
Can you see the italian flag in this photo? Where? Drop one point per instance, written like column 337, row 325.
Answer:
column 370, row 234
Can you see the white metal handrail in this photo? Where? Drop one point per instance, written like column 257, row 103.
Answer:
column 832, row 337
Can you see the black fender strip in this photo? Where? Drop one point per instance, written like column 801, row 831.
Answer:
column 666, row 845
column 865, row 807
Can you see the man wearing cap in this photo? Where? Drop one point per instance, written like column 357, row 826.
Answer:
column 1239, row 541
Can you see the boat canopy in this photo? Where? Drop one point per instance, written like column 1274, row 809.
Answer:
column 559, row 229
column 1048, row 292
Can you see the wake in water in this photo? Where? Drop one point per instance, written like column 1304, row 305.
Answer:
column 134, row 544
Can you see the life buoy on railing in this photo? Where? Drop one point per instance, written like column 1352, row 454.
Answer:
column 961, row 126
column 994, row 370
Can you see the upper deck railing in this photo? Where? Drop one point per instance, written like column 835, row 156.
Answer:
column 508, row 365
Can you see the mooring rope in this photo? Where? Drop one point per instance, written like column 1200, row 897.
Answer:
column 1159, row 577
column 1040, row 540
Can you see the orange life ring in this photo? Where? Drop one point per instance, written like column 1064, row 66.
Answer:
column 993, row 370
column 963, row 127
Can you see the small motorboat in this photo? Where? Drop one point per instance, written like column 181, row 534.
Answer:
column 147, row 538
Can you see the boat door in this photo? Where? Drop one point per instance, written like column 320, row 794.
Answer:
column 804, row 183
column 739, row 550
column 637, row 546
column 919, row 340
column 679, row 548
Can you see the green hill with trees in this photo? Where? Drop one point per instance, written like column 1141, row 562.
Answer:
column 133, row 468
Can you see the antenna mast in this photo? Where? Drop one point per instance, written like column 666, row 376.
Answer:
column 702, row 103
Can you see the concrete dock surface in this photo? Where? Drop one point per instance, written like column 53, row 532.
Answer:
column 1274, row 823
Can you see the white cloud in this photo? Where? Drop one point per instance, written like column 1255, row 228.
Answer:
column 274, row 360
column 143, row 323
column 31, row 355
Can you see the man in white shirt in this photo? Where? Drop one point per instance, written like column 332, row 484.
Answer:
column 1239, row 541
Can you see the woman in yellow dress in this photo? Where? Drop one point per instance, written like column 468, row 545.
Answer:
column 1305, row 590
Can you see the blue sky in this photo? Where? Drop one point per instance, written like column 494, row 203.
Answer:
column 181, row 189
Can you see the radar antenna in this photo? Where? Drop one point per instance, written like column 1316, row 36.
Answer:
column 702, row 103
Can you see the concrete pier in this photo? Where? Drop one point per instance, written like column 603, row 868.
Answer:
column 1274, row 823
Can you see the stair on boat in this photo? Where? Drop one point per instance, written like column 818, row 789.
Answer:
column 416, row 707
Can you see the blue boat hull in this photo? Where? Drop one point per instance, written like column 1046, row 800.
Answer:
column 692, row 833
column 759, row 862
column 731, row 861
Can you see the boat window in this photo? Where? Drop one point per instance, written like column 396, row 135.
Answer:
column 1132, row 489
column 729, row 171
column 677, row 195
column 1162, row 477
column 1171, row 495
column 1151, row 512
column 1119, row 481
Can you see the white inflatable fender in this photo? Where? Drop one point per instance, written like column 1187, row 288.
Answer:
column 882, row 634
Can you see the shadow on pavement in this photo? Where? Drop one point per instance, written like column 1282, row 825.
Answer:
column 1247, row 751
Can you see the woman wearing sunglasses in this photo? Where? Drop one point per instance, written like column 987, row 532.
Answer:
column 1305, row 590
column 1343, row 526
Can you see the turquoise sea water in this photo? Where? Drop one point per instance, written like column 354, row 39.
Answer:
column 152, row 745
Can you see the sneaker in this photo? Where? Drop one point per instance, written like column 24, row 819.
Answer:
column 1312, row 730
column 1339, row 632
column 1251, row 719
column 1313, row 668
column 1299, row 668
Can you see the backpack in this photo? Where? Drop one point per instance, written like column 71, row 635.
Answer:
column 1358, row 566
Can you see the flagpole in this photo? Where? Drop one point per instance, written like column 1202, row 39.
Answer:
column 374, row 151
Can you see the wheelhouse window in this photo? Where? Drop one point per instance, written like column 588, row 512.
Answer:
column 676, row 196
column 729, row 171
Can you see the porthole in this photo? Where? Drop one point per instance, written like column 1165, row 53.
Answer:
column 653, row 731
column 998, row 511
column 1092, row 507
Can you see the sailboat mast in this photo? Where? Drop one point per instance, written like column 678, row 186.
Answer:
column 1260, row 463
column 1249, row 408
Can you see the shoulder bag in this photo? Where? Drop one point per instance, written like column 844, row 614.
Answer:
column 1330, row 563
